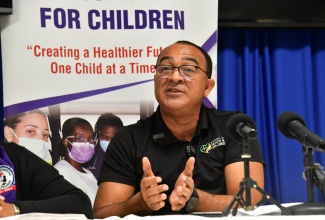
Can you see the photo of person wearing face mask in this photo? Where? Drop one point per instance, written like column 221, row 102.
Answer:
column 31, row 130
column 77, row 147
column 105, row 128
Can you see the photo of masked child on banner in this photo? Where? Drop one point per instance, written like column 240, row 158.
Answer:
column 76, row 148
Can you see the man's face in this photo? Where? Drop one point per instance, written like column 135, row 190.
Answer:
column 176, row 91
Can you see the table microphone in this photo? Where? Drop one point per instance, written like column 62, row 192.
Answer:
column 293, row 126
column 241, row 126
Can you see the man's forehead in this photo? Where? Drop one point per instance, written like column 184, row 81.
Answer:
column 182, row 58
column 180, row 52
column 180, row 48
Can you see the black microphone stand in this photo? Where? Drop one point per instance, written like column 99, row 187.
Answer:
column 310, row 208
column 246, row 185
column 309, row 165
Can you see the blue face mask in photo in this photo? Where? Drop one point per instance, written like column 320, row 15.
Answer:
column 104, row 144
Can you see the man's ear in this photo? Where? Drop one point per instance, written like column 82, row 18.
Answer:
column 8, row 134
column 209, row 86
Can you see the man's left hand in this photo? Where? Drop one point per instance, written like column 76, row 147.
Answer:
column 184, row 187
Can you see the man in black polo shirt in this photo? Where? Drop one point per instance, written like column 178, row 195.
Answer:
column 180, row 159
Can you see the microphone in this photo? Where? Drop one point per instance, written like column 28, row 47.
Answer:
column 241, row 126
column 293, row 126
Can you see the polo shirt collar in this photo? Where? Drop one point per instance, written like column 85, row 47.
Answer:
column 162, row 135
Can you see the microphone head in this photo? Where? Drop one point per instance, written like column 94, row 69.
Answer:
column 234, row 121
column 285, row 118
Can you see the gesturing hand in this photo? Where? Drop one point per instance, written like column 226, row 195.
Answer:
column 152, row 192
column 184, row 187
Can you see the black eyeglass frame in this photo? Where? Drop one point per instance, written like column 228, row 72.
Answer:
column 179, row 70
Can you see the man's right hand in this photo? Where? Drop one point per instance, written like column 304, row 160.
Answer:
column 151, row 191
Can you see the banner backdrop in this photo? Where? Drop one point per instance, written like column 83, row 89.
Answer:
column 90, row 56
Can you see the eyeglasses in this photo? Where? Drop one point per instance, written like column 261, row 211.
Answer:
column 81, row 138
column 184, row 70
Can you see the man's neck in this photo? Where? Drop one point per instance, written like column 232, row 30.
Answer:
column 182, row 125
